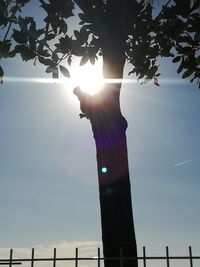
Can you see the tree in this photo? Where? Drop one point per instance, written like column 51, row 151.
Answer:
column 119, row 32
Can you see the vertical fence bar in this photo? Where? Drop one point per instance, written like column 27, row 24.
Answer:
column 10, row 259
column 121, row 257
column 191, row 259
column 99, row 259
column 144, row 256
column 32, row 257
column 54, row 257
column 76, row 258
column 167, row 256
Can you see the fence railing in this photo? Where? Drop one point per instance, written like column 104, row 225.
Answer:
column 12, row 261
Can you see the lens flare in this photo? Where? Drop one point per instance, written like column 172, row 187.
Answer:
column 104, row 170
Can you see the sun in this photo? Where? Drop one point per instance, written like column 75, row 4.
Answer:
column 89, row 77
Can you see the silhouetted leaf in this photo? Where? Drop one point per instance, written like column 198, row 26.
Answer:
column 65, row 45
column 197, row 37
column 196, row 5
column 55, row 57
column 4, row 48
column 27, row 54
column 198, row 60
column 156, row 82
column 22, row 23
column 176, row 59
column 82, row 16
column 92, row 60
column 49, row 69
column 76, row 34
column 1, row 75
column 187, row 73
column 55, row 23
column 84, row 59
column 50, row 36
column 43, row 52
column 77, row 49
column 63, row 27
column 64, row 71
column 69, row 60
column 20, row 37
column 46, row 61
column 55, row 73
column 180, row 68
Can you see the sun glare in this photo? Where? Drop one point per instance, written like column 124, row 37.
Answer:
column 88, row 77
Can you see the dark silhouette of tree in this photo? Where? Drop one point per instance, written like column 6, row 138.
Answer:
column 119, row 32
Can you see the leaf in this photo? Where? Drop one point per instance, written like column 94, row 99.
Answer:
column 156, row 82
column 63, row 27
column 196, row 5
column 187, row 73
column 50, row 36
column 55, row 23
column 180, row 68
column 132, row 71
column 65, row 45
column 77, row 34
column 55, row 73
column 43, row 52
column 1, row 75
column 46, row 61
column 84, row 59
column 145, row 81
column 20, row 37
column 197, row 60
column 69, row 60
column 27, row 54
column 92, row 60
column 4, row 48
column 22, row 23
column 77, row 49
column 64, row 71
column 176, row 59
column 82, row 16
column 49, row 69
column 55, row 57
column 197, row 37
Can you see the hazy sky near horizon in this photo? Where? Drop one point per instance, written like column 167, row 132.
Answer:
column 48, row 177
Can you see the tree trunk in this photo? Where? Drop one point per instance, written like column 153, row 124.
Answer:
column 109, row 129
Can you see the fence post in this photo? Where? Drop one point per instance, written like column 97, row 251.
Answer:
column 54, row 257
column 32, row 257
column 76, row 258
column 167, row 255
column 11, row 255
column 99, row 259
column 121, row 257
column 144, row 256
column 190, row 253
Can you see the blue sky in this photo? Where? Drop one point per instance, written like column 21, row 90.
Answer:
column 48, row 177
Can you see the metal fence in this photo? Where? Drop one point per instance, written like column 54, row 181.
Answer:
column 98, row 260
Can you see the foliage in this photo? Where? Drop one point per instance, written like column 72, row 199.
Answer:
column 174, row 32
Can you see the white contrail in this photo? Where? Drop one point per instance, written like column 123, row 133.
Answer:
column 185, row 161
